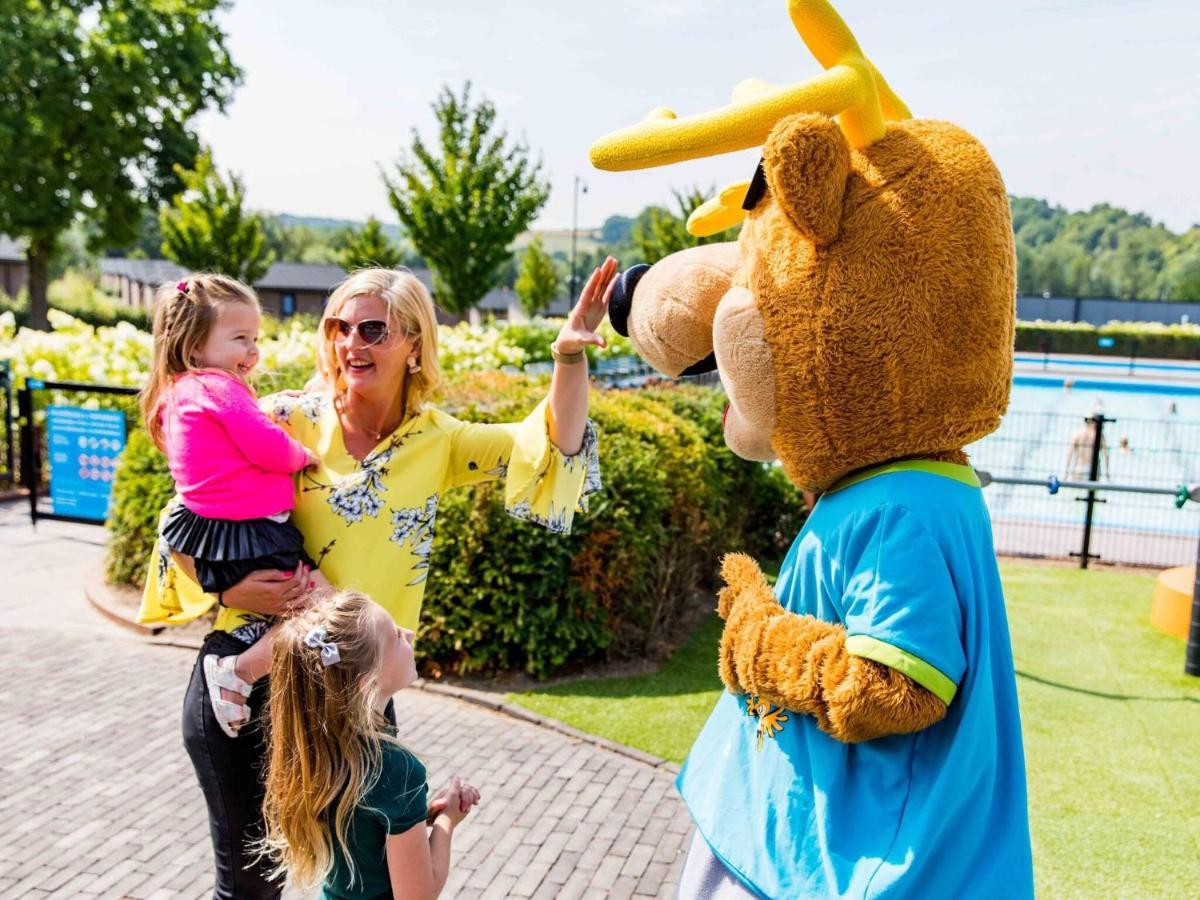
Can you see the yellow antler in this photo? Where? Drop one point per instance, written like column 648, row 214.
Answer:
column 850, row 88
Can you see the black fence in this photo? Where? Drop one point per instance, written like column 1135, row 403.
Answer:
column 8, row 474
column 1138, row 512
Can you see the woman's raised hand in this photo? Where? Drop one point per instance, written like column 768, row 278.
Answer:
column 580, row 328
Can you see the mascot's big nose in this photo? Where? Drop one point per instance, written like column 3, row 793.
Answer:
column 621, row 300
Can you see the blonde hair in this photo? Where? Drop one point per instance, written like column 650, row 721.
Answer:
column 324, row 736
column 184, row 315
column 409, row 306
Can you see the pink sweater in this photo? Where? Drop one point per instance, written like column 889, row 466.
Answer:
column 229, row 460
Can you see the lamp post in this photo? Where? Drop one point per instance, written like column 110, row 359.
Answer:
column 575, row 233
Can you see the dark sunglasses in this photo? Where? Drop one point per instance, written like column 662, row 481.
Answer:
column 372, row 331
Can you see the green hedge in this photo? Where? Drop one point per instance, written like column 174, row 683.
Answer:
column 1146, row 339
column 505, row 595
column 141, row 489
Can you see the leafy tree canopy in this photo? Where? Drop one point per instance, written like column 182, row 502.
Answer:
column 370, row 246
column 463, row 201
column 206, row 228
column 96, row 111
column 537, row 282
column 658, row 232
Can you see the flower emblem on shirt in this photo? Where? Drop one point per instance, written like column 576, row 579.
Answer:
column 358, row 496
column 311, row 406
column 555, row 521
column 415, row 526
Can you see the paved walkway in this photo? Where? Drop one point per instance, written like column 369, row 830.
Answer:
column 97, row 797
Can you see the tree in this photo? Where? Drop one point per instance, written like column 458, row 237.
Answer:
column 463, row 203
column 205, row 228
column 97, row 104
column 657, row 232
column 369, row 246
column 537, row 282
column 146, row 242
column 615, row 230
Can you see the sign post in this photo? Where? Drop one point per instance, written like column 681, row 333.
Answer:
column 84, row 446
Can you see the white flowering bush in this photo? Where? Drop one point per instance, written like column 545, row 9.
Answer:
column 468, row 348
column 121, row 354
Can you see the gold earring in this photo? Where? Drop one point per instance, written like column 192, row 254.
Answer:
column 413, row 366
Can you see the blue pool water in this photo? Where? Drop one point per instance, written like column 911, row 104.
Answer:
column 1098, row 365
column 1154, row 440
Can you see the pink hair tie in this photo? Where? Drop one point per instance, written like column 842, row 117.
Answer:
column 182, row 287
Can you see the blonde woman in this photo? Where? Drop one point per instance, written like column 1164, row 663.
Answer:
column 347, row 805
column 368, row 509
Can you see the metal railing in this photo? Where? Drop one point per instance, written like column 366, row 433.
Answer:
column 1132, row 478
column 8, row 474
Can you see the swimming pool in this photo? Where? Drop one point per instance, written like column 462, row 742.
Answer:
column 1031, row 361
column 1154, row 439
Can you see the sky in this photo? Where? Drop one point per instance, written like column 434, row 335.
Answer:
column 1078, row 101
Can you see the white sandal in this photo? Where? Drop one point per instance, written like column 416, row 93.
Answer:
column 219, row 673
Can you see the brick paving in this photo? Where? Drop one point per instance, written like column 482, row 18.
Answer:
column 97, row 798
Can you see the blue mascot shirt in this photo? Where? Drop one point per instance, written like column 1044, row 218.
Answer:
column 902, row 557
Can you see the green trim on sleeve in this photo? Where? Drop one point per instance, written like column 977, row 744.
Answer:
column 903, row 662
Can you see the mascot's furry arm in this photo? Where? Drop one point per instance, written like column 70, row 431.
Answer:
column 801, row 663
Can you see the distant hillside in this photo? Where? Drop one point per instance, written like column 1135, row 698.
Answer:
column 553, row 239
column 323, row 223
column 1101, row 252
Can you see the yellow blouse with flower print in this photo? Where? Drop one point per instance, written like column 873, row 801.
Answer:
column 369, row 525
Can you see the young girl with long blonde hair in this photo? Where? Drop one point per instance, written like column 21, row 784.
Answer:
column 346, row 805
column 233, row 467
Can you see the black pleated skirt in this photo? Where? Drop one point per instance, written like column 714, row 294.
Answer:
column 226, row 551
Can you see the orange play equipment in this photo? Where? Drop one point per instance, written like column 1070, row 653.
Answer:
column 1171, row 608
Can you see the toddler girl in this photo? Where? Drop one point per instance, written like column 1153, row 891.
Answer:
column 233, row 467
column 345, row 804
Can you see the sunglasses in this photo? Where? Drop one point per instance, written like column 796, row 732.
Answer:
column 372, row 331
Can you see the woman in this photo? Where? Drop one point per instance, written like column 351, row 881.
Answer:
column 367, row 510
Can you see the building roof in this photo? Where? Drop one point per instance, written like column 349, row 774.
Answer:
column 291, row 276
column 146, row 271
column 10, row 250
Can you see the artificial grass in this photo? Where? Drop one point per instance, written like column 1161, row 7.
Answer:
column 1111, row 728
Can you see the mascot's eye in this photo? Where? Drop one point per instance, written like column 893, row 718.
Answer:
column 758, row 187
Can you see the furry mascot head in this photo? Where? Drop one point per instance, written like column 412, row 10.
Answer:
column 866, row 311
column 862, row 325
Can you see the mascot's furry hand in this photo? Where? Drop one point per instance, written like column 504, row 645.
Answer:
column 801, row 663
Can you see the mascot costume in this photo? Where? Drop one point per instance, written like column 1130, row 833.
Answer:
column 869, row 744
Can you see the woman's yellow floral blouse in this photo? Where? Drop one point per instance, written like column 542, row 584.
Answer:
column 369, row 525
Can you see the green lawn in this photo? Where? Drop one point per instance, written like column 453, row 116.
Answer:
column 1112, row 729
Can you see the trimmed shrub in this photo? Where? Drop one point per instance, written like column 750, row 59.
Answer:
column 141, row 489
column 506, row 595
column 1146, row 339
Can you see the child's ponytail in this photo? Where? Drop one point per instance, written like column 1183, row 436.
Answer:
column 324, row 734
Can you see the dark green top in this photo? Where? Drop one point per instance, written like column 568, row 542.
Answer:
column 398, row 801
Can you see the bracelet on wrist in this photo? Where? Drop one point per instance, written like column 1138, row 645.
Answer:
column 568, row 358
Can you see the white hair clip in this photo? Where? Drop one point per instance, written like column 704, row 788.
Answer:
column 329, row 650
